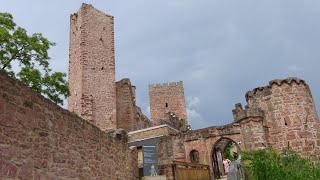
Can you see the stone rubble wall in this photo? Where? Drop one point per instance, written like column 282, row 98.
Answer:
column 40, row 140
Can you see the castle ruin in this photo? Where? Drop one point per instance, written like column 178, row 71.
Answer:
column 101, row 134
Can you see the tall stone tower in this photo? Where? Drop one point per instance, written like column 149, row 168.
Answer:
column 92, row 67
column 166, row 98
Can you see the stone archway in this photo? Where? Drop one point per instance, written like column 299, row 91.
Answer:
column 218, row 152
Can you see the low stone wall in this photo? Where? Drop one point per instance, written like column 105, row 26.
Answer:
column 40, row 140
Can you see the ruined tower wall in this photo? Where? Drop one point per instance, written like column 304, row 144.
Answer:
column 290, row 115
column 40, row 140
column 92, row 67
column 253, row 132
column 126, row 111
column 167, row 98
column 129, row 116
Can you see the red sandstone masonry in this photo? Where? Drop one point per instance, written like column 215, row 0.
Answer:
column 169, row 148
column 170, row 94
column 129, row 116
column 290, row 115
column 126, row 111
column 40, row 140
column 92, row 67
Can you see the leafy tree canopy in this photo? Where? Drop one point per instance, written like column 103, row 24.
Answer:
column 30, row 53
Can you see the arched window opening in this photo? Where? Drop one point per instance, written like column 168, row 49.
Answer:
column 194, row 156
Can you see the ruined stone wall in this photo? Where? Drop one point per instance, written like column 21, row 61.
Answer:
column 142, row 121
column 203, row 141
column 129, row 116
column 169, row 149
column 92, row 67
column 126, row 110
column 40, row 140
column 290, row 115
column 166, row 98
column 254, row 133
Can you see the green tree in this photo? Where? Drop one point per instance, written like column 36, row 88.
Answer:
column 30, row 53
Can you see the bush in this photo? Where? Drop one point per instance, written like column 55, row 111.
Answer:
column 267, row 164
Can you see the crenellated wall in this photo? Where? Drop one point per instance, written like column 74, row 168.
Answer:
column 253, row 132
column 290, row 116
column 40, row 140
column 164, row 98
column 279, row 115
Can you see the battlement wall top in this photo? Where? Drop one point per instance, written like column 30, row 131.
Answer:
column 163, row 85
column 278, row 82
column 239, row 113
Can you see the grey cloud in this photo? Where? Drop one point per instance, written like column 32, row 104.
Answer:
column 220, row 49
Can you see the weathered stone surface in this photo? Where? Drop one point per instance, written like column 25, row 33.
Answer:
column 44, row 141
column 129, row 116
column 166, row 98
column 92, row 67
column 290, row 116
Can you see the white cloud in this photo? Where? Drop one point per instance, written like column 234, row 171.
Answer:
column 193, row 112
column 193, row 102
column 146, row 112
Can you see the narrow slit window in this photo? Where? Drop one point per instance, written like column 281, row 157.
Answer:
column 285, row 122
column 166, row 104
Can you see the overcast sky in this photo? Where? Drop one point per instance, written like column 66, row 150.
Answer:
column 220, row 49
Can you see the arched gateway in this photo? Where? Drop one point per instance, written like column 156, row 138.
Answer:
column 223, row 148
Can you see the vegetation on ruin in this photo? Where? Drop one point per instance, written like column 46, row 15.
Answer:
column 269, row 165
column 29, row 54
column 227, row 152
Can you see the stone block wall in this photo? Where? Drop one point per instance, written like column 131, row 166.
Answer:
column 290, row 116
column 129, row 116
column 204, row 140
column 126, row 108
column 92, row 67
column 254, row 133
column 169, row 148
column 40, row 140
column 142, row 121
column 166, row 98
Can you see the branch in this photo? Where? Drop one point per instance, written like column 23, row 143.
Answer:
column 13, row 58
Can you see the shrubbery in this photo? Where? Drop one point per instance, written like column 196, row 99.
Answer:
column 270, row 165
